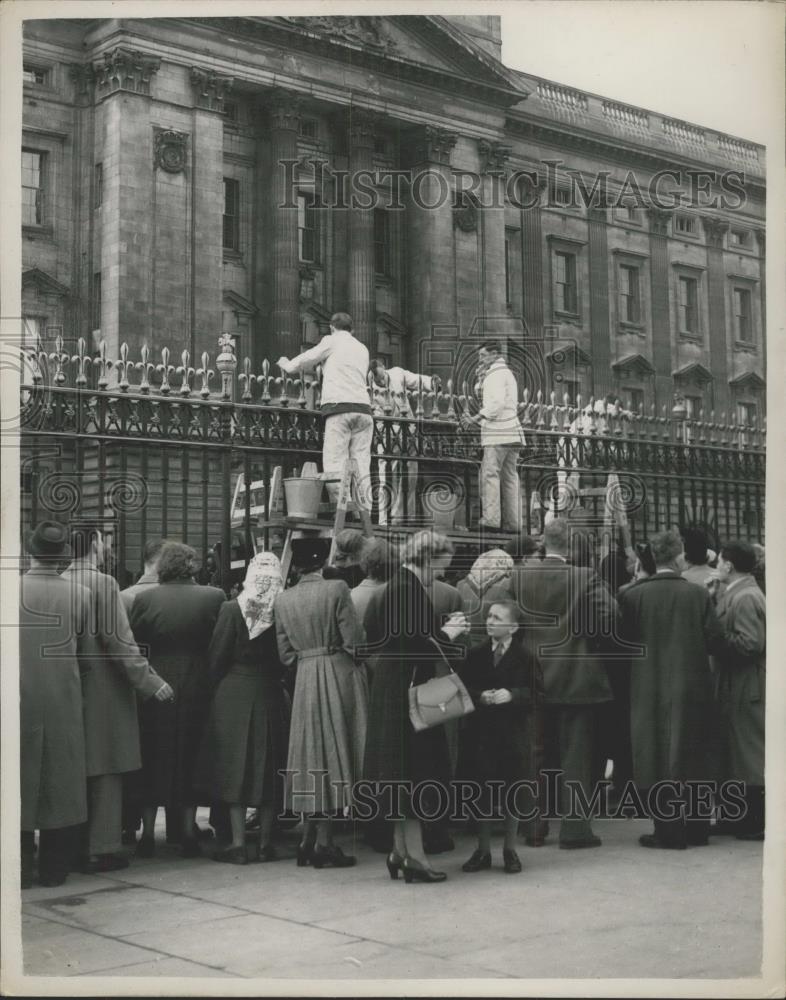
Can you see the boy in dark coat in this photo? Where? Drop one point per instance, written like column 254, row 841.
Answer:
column 506, row 686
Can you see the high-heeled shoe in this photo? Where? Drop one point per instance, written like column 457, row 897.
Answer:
column 414, row 871
column 395, row 862
column 331, row 857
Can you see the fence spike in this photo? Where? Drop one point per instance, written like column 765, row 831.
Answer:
column 123, row 366
column 205, row 373
column 166, row 370
column 104, row 366
column 81, row 359
column 186, row 373
column 146, row 367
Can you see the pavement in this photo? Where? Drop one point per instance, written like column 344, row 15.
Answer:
column 616, row 911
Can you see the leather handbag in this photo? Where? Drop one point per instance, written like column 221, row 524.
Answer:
column 438, row 700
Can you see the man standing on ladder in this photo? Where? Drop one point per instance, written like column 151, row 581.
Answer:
column 346, row 406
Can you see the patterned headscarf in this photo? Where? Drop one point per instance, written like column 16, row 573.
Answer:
column 262, row 585
column 489, row 568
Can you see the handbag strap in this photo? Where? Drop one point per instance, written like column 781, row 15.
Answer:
column 444, row 658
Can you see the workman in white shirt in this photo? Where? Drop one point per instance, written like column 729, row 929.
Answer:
column 346, row 406
column 501, row 439
column 390, row 388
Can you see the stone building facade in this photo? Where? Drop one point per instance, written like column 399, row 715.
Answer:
column 190, row 176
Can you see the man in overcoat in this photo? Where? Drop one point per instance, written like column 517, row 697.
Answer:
column 117, row 673
column 566, row 611
column 52, row 623
column 674, row 728
column 740, row 667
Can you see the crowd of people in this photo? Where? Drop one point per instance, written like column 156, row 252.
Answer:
column 294, row 701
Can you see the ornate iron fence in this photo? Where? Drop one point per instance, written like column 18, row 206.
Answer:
column 157, row 449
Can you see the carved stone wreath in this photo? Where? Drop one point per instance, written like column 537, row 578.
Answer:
column 170, row 150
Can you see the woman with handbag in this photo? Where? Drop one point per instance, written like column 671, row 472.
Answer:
column 408, row 651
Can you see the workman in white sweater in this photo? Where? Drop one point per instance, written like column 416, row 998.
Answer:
column 346, row 405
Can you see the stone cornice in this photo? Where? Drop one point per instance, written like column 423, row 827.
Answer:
column 567, row 136
column 659, row 220
column 482, row 79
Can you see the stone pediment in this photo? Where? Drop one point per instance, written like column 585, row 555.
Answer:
column 43, row 283
column 239, row 303
column 422, row 48
column 748, row 380
column 633, row 364
column 693, row 372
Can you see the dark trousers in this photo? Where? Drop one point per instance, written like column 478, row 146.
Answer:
column 613, row 728
column 56, row 852
column 752, row 822
column 569, row 741
column 683, row 830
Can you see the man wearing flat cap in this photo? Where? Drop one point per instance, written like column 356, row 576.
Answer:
column 52, row 623
column 117, row 673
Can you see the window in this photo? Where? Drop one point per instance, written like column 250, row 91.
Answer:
column 380, row 145
column 739, row 238
column 693, row 406
column 33, row 74
column 742, row 315
column 747, row 414
column 98, row 186
column 685, row 225
column 382, row 255
column 565, row 282
column 308, row 228
column 630, row 213
column 630, row 298
column 231, row 214
column 570, row 386
column 308, row 128
column 32, row 187
column 33, row 328
column 689, row 305
column 635, row 399
column 95, row 303
column 231, row 111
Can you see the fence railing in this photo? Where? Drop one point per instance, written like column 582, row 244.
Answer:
column 160, row 449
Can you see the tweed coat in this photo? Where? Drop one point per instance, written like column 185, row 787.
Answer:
column 243, row 745
column 404, row 641
column 118, row 673
column 53, row 619
column 564, row 608
column 674, row 721
column 175, row 622
column 740, row 667
column 318, row 630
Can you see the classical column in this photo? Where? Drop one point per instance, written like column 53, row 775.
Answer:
column 761, row 240
column 493, row 157
column 661, row 310
column 284, row 116
column 714, row 231
column 532, row 256
column 600, row 347
column 430, row 247
column 362, row 293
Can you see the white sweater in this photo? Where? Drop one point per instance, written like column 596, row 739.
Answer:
column 344, row 363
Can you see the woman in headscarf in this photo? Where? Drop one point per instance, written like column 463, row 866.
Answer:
column 243, row 746
column 486, row 582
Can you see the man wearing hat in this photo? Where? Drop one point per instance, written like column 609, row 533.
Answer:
column 53, row 620
column 117, row 673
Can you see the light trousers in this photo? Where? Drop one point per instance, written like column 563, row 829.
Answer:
column 347, row 437
column 499, row 487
